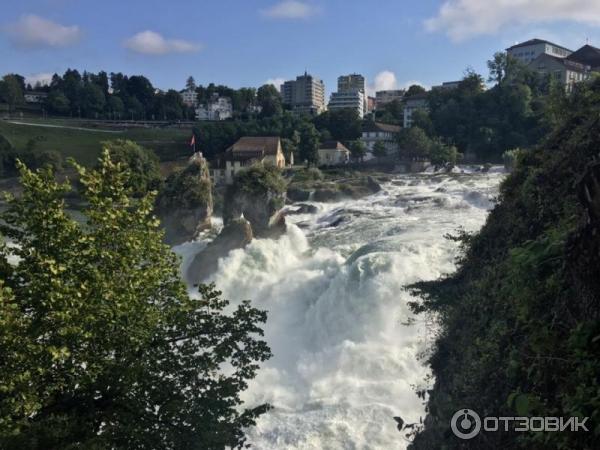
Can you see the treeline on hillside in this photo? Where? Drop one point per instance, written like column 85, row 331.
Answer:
column 514, row 113
column 118, row 96
column 519, row 321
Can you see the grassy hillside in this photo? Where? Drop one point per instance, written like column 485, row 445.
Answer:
column 83, row 142
column 519, row 322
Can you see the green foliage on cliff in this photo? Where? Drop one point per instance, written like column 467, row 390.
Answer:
column 188, row 188
column 100, row 345
column 519, row 322
column 144, row 174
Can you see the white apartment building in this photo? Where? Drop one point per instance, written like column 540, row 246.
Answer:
column 348, row 100
column 527, row 51
column 374, row 131
column 304, row 95
column 189, row 97
column 218, row 108
column 412, row 104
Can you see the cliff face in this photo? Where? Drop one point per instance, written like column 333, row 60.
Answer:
column 519, row 322
column 185, row 204
column 258, row 194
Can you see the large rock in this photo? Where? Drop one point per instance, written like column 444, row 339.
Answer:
column 296, row 194
column 236, row 234
column 373, row 185
column 184, row 204
column 258, row 195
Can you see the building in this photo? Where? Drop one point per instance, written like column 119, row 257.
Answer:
column 354, row 100
column 412, row 104
column 352, row 82
column 588, row 56
column 217, row 108
column 374, row 131
column 304, row 95
column 371, row 104
column 246, row 152
column 35, row 97
column 189, row 97
column 528, row 51
column 384, row 97
column 564, row 70
column 333, row 153
column 447, row 85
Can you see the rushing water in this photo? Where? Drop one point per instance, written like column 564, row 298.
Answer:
column 347, row 350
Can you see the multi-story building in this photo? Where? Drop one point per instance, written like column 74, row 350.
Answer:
column 527, row 51
column 374, row 131
column 354, row 100
column 35, row 96
column 352, row 82
column 371, row 104
column 244, row 153
column 189, row 97
column 588, row 56
column 304, row 95
column 351, row 94
column 447, row 85
column 384, row 97
column 563, row 70
column 217, row 108
column 412, row 104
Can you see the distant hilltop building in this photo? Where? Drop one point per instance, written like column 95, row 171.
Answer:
column 189, row 97
column 304, row 95
column 217, row 108
column 556, row 61
column 447, row 85
column 412, row 104
column 528, row 51
column 35, row 96
column 351, row 94
column 385, row 97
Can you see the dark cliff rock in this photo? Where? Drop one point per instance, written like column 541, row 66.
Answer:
column 184, row 205
column 236, row 234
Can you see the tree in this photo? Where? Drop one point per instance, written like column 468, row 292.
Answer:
column 11, row 90
column 115, row 106
column 144, row 173
column 57, row 102
column 415, row 89
column 190, row 84
column 441, row 154
column 269, row 99
column 413, row 143
column 343, row 124
column 92, row 99
column 308, row 148
column 101, row 345
column 358, row 150
column 379, row 149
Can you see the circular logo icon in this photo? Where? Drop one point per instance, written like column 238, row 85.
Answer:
column 465, row 424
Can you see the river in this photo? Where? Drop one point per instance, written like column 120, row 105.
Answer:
column 348, row 353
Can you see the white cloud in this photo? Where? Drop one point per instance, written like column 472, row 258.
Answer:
column 464, row 19
column 386, row 80
column 277, row 82
column 290, row 9
column 32, row 31
column 152, row 43
column 42, row 78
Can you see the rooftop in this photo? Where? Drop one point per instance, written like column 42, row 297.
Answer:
column 267, row 145
column 587, row 54
column 370, row 127
column 535, row 42
column 333, row 145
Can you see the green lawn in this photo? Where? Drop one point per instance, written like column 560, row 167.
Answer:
column 85, row 145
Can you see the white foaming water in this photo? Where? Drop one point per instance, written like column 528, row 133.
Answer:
column 346, row 357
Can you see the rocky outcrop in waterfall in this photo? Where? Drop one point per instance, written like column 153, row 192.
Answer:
column 184, row 205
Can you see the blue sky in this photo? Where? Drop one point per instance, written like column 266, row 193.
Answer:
column 247, row 42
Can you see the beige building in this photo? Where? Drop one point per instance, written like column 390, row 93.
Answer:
column 563, row 70
column 246, row 152
column 529, row 50
column 333, row 153
column 384, row 97
column 304, row 95
column 374, row 131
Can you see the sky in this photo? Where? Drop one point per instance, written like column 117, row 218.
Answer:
column 393, row 43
